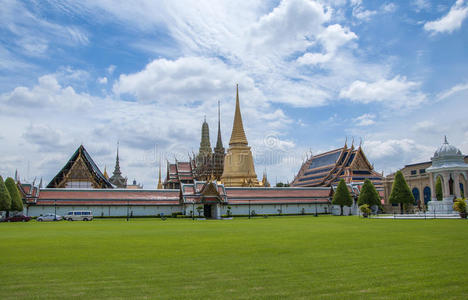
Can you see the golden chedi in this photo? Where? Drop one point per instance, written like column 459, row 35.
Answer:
column 239, row 167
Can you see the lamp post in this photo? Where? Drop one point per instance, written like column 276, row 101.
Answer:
column 128, row 207
column 193, row 209
column 316, row 210
column 55, row 209
column 249, row 209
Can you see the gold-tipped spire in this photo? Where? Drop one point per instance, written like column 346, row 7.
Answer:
column 105, row 172
column 160, row 186
column 238, row 134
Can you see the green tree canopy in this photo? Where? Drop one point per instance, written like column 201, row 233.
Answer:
column 342, row 196
column 16, row 201
column 369, row 195
column 401, row 193
column 438, row 189
column 5, row 199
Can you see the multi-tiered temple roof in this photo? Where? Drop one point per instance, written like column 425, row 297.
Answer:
column 80, row 172
column 326, row 169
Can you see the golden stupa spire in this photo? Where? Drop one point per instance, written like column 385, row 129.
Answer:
column 238, row 134
column 105, row 172
column 160, row 186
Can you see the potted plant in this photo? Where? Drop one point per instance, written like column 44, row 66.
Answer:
column 460, row 206
column 228, row 211
column 365, row 210
column 199, row 209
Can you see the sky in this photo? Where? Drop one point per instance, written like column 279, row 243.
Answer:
column 391, row 76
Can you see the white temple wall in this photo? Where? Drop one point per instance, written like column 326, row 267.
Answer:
column 167, row 210
column 106, row 210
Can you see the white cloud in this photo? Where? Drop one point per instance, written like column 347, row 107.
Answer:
column 453, row 90
column 185, row 80
column 34, row 33
column 397, row 92
column 365, row 120
column 451, row 21
column 393, row 154
column 389, row 7
column 110, row 70
column 47, row 93
column 102, row 80
column 360, row 12
column 421, row 5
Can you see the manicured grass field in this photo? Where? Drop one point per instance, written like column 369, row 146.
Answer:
column 282, row 257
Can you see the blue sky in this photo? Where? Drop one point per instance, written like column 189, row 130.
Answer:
column 392, row 74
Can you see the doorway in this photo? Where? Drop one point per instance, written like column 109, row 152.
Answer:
column 207, row 211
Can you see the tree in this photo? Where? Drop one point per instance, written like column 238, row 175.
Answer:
column 5, row 199
column 438, row 189
column 16, row 201
column 401, row 193
column 342, row 196
column 369, row 195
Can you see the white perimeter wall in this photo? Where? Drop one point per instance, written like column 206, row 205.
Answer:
column 106, row 211
column 270, row 209
column 121, row 211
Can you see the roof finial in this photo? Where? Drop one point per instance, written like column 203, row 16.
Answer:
column 360, row 142
column 346, row 142
column 445, row 139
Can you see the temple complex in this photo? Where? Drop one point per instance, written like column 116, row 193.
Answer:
column 327, row 169
column 239, row 167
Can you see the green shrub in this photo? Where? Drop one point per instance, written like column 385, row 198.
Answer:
column 460, row 205
column 16, row 200
column 5, row 199
column 365, row 209
column 438, row 189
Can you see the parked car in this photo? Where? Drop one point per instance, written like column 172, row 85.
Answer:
column 49, row 217
column 17, row 218
column 79, row 215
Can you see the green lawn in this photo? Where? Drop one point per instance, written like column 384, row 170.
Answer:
column 281, row 257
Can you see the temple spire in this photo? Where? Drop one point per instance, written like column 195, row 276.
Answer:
column 445, row 139
column 159, row 181
column 117, row 164
column 219, row 141
column 238, row 134
column 105, row 172
column 205, row 146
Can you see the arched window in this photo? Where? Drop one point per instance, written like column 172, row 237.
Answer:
column 416, row 196
column 427, row 194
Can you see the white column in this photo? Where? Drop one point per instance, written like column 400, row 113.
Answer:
column 456, row 182
column 446, row 188
column 432, row 185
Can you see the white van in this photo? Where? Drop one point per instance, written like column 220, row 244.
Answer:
column 79, row 215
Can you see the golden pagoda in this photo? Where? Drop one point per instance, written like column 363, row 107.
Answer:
column 239, row 167
column 160, row 186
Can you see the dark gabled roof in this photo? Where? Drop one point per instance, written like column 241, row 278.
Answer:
column 325, row 160
column 92, row 168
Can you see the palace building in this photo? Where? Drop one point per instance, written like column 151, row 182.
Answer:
column 448, row 163
column 327, row 169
